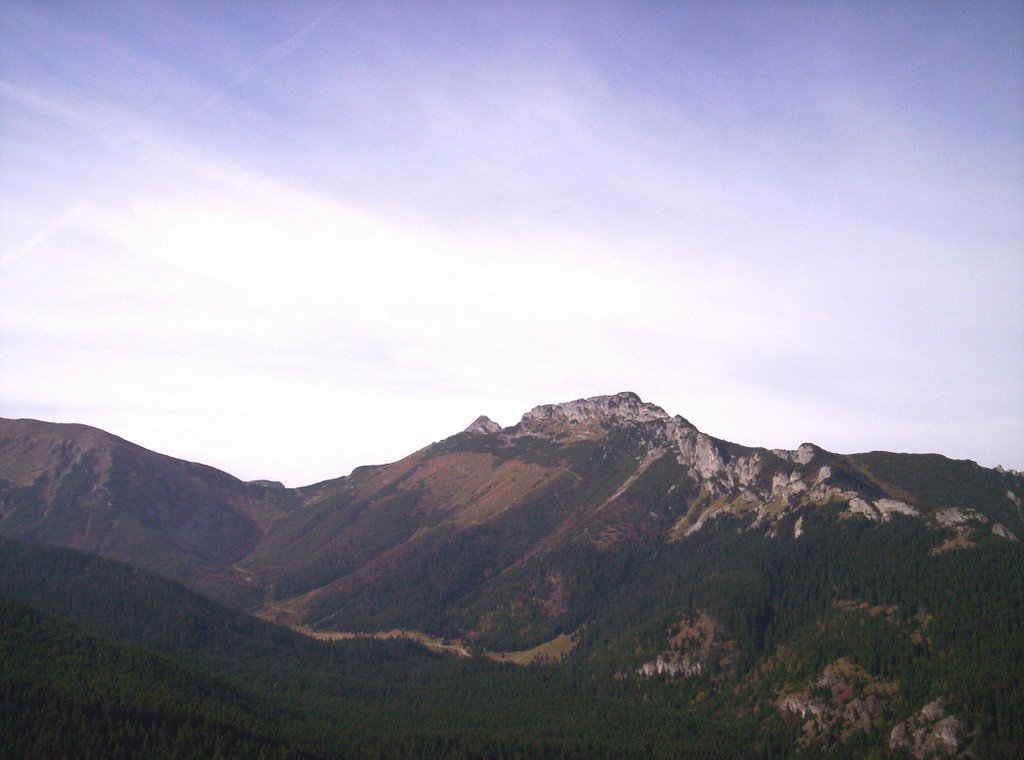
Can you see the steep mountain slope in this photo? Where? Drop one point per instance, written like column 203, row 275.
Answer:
column 494, row 534
column 77, row 486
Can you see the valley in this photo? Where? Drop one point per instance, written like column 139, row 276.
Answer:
column 796, row 601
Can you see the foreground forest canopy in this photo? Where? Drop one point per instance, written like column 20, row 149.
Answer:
column 122, row 662
column 599, row 580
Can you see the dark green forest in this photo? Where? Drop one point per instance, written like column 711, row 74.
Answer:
column 104, row 660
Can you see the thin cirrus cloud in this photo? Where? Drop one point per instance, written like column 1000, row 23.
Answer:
column 291, row 240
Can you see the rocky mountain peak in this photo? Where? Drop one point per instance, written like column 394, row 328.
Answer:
column 622, row 407
column 483, row 425
column 661, row 432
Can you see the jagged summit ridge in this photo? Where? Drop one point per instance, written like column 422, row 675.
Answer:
column 767, row 482
column 663, row 432
column 622, row 407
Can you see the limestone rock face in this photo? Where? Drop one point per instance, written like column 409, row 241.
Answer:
column 881, row 510
column 804, row 706
column 662, row 665
column 859, row 506
column 930, row 733
column 889, row 507
column 695, row 449
column 785, row 485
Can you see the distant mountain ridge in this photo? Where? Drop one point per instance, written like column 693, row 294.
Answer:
column 444, row 538
column 77, row 486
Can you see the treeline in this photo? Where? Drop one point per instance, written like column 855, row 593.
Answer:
column 948, row 626
column 69, row 694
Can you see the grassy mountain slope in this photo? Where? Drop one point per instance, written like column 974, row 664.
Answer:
column 72, row 485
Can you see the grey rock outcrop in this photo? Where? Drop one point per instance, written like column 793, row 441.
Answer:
column 483, row 425
column 844, row 700
column 731, row 479
column 1003, row 532
column 953, row 517
column 881, row 510
column 679, row 666
column 623, row 407
column 889, row 507
column 930, row 733
column 696, row 450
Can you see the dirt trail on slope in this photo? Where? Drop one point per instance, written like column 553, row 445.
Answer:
column 546, row 653
column 430, row 642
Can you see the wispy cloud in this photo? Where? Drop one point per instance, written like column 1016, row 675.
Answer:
column 345, row 230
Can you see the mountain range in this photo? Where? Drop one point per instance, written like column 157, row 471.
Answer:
column 603, row 534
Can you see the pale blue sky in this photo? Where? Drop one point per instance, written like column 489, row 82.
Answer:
column 287, row 239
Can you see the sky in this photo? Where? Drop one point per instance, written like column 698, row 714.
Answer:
column 290, row 238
